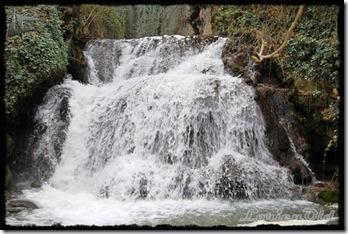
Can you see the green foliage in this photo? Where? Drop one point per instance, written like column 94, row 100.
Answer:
column 247, row 22
column 312, row 52
column 97, row 21
column 33, row 57
column 235, row 21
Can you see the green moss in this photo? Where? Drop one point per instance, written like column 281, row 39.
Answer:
column 329, row 195
column 33, row 57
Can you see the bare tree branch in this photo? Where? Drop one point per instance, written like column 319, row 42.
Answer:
column 260, row 55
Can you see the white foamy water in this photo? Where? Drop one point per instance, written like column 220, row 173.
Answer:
column 57, row 206
column 159, row 135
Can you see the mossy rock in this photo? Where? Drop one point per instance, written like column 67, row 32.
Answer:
column 329, row 195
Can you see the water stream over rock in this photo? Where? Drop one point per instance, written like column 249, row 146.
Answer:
column 160, row 127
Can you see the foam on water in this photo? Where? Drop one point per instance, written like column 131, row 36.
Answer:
column 57, row 206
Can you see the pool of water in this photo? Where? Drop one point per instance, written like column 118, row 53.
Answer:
column 58, row 207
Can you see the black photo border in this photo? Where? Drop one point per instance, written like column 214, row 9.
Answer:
column 341, row 134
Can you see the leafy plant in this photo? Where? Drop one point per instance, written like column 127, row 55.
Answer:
column 97, row 21
column 33, row 57
column 311, row 54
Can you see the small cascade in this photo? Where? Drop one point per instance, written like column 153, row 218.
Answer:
column 299, row 156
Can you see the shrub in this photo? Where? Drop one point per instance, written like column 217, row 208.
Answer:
column 312, row 52
column 97, row 21
column 32, row 57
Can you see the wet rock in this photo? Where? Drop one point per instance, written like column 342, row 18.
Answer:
column 77, row 63
column 15, row 206
column 201, row 19
column 35, row 159
column 236, row 63
column 301, row 173
column 319, row 184
column 281, row 120
column 230, row 185
column 318, row 192
column 300, row 192
column 271, row 74
column 143, row 188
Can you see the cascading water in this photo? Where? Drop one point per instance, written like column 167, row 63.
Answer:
column 159, row 132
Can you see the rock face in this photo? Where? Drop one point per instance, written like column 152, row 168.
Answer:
column 35, row 145
column 16, row 206
column 286, row 138
column 281, row 118
column 155, row 20
column 35, row 61
column 77, row 63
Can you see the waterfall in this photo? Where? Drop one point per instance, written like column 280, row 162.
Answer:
column 160, row 119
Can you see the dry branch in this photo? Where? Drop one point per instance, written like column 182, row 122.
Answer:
column 260, row 55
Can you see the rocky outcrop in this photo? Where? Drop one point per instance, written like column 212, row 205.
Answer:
column 320, row 125
column 37, row 152
column 15, row 205
column 35, row 61
column 157, row 20
column 318, row 192
column 202, row 18
column 287, row 140
column 280, row 119
column 84, row 23
column 314, row 72
column 77, row 63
